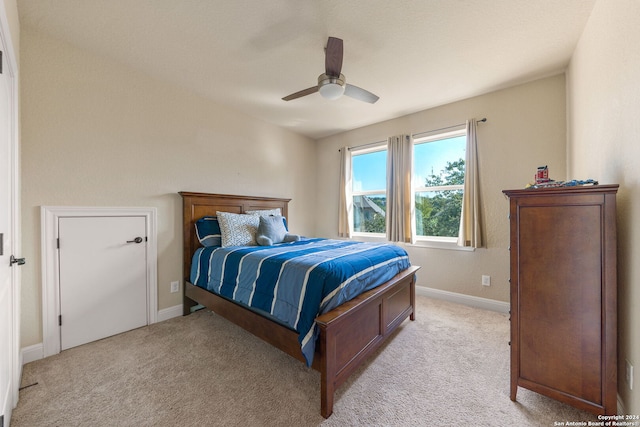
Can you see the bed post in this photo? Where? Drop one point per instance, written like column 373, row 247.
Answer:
column 187, row 303
column 327, row 372
column 412, row 297
column 187, row 239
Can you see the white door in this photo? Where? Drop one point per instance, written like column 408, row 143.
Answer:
column 103, row 277
column 8, row 312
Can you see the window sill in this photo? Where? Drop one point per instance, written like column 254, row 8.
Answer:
column 430, row 244
column 369, row 237
column 433, row 244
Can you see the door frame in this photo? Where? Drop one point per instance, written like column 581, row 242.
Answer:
column 12, row 71
column 49, row 216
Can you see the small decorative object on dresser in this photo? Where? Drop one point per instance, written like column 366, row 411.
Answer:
column 563, row 294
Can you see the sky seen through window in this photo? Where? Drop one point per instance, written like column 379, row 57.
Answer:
column 369, row 170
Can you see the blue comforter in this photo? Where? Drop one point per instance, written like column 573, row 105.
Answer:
column 296, row 282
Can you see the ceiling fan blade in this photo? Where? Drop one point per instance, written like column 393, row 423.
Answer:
column 301, row 93
column 360, row 94
column 333, row 57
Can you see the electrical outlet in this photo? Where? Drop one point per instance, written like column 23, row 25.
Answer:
column 629, row 374
column 175, row 286
column 486, row 280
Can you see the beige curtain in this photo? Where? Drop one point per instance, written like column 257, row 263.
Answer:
column 400, row 205
column 470, row 233
column 345, row 214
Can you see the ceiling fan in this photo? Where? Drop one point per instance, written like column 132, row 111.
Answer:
column 332, row 84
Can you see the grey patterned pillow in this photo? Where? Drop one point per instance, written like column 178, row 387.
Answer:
column 238, row 229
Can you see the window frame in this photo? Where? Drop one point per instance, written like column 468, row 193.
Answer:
column 432, row 242
column 368, row 149
column 442, row 242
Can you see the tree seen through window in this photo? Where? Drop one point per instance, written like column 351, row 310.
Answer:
column 438, row 211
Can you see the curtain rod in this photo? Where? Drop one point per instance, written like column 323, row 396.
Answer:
column 365, row 145
column 482, row 120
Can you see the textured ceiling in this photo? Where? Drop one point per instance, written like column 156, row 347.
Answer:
column 248, row 54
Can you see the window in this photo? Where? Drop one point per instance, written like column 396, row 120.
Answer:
column 438, row 179
column 438, row 185
column 369, row 182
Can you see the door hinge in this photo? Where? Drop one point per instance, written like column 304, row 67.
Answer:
column 58, row 243
column 1, row 420
column 60, row 320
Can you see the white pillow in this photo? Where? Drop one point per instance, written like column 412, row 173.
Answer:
column 238, row 229
column 265, row 212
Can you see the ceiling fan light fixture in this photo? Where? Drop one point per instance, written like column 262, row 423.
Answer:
column 332, row 84
column 331, row 87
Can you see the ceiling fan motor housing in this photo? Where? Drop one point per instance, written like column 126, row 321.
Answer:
column 331, row 87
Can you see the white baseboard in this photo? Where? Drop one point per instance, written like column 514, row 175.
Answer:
column 32, row 353
column 479, row 302
column 36, row 351
column 621, row 410
column 169, row 313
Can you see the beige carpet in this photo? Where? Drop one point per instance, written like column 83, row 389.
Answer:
column 448, row 368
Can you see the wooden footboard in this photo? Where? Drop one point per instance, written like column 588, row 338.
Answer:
column 354, row 330
column 348, row 334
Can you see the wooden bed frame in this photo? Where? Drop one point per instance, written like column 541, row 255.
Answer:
column 348, row 334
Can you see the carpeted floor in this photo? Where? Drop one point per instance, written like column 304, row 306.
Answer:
column 450, row 367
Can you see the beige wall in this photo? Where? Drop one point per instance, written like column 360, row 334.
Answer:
column 525, row 128
column 604, row 106
column 95, row 133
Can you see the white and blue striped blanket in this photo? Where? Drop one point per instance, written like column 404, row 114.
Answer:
column 296, row 282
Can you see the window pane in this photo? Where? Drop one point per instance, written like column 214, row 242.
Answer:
column 439, row 162
column 438, row 213
column 369, row 171
column 369, row 213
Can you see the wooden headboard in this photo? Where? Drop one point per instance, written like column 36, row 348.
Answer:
column 197, row 205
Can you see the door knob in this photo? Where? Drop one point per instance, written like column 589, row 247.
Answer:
column 136, row 240
column 14, row 260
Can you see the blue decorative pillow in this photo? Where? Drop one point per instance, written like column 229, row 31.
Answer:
column 272, row 230
column 208, row 231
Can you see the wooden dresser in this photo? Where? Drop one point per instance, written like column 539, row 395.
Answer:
column 563, row 294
